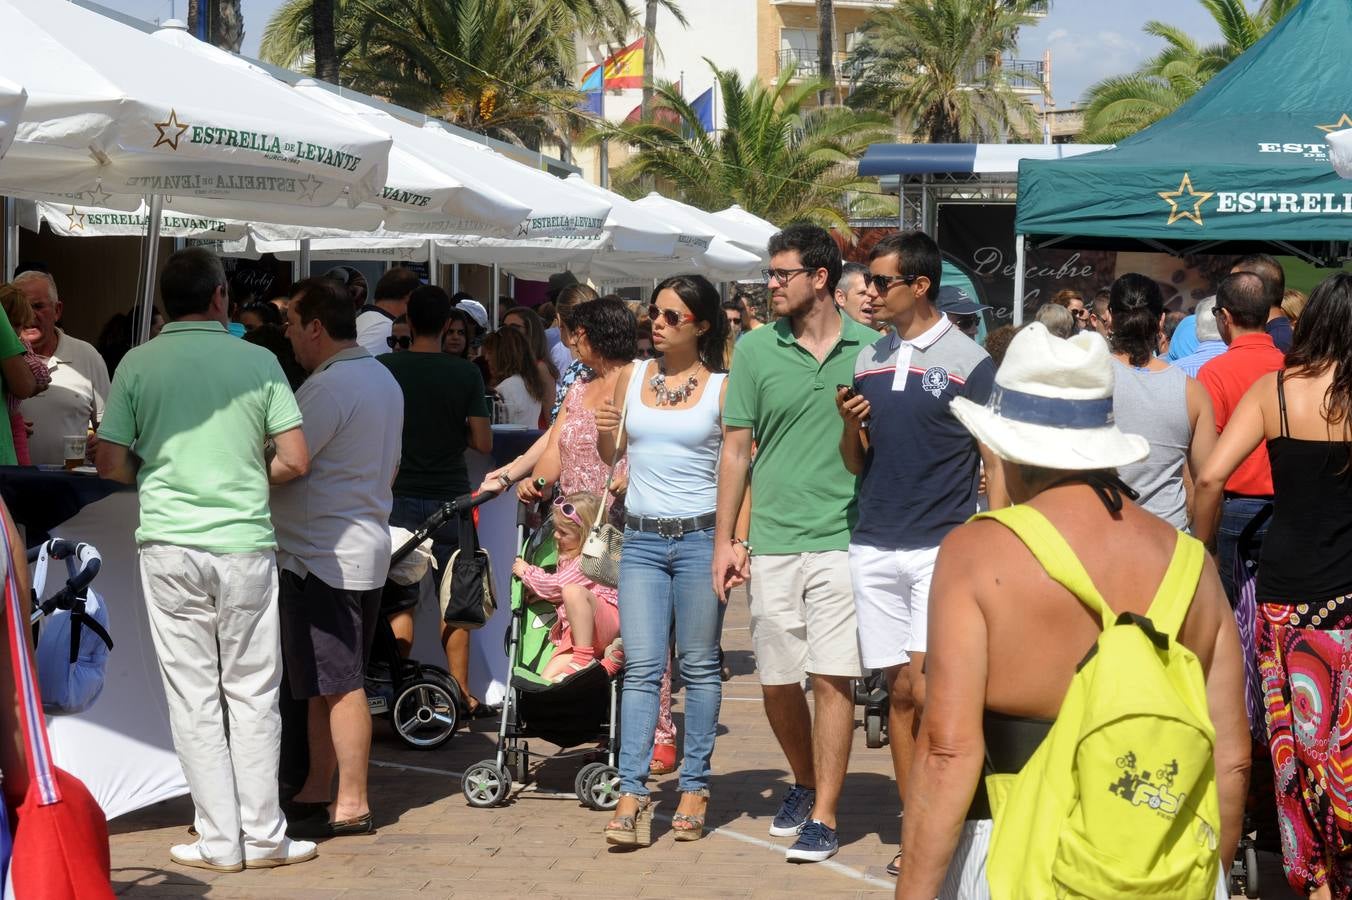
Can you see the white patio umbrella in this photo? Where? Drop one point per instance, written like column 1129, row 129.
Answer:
column 113, row 111
column 69, row 220
column 745, row 230
column 635, row 230
column 557, row 209
column 13, row 98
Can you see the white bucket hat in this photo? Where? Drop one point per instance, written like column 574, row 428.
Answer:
column 1052, row 406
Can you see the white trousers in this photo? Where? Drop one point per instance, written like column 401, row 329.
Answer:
column 214, row 621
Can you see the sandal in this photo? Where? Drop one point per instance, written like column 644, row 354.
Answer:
column 633, row 830
column 686, row 827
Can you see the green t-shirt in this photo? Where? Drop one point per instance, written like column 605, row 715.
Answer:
column 196, row 405
column 802, row 496
column 440, row 393
column 10, row 345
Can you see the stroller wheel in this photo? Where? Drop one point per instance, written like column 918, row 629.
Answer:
column 485, row 785
column 873, row 730
column 424, row 715
column 584, row 775
column 601, row 790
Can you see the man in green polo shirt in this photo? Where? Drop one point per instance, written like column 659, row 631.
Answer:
column 187, row 420
column 781, row 393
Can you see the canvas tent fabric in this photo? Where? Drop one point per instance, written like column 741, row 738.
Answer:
column 962, row 159
column 1244, row 162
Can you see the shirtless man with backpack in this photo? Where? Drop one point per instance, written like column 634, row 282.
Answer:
column 1105, row 735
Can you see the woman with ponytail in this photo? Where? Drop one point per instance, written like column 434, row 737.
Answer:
column 1156, row 401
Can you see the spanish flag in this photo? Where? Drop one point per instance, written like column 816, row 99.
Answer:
column 625, row 68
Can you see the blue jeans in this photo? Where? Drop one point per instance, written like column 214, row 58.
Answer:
column 665, row 581
column 1236, row 513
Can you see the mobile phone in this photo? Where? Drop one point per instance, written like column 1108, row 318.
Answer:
column 850, row 392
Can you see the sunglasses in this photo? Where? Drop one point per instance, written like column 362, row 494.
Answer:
column 883, row 283
column 569, row 511
column 401, row 343
column 782, row 275
column 966, row 321
column 670, row 316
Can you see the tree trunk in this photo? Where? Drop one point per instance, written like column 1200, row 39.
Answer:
column 649, row 57
column 326, row 52
column 826, row 50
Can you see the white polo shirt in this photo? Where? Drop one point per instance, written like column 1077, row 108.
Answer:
column 334, row 522
column 71, row 404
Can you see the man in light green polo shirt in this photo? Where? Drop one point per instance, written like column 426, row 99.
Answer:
column 781, row 393
column 187, row 420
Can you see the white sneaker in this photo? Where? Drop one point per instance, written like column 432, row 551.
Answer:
column 191, row 855
column 291, row 852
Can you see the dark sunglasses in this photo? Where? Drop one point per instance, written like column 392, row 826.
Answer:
column 670, row 316
column 402, row 343
column 783, row 275
column 883, row 283
column 966, row 321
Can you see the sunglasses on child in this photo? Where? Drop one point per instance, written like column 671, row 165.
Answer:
column 402, row 342
column 569, row 511
column 670, row 316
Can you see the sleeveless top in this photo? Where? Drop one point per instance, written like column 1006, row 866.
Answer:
column 1155, row 406
column 673, row 453
column 1307, row 553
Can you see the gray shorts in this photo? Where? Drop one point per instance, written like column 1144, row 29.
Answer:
column 326, row 635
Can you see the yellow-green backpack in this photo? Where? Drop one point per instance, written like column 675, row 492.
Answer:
column 1120, row 798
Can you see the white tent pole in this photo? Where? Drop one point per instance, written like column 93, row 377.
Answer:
column 9, row 241
column 149, row 263
column 511, row 287
column 303, row 260
column 455, row 278
column 1020, row 271
column 433, row 267
column 493, row 301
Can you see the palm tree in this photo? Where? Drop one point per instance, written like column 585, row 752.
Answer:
column 325, row 42
column 500, row 67
column 774, row 157
column 936, row 65
column 1124, row 104
column 826, row 49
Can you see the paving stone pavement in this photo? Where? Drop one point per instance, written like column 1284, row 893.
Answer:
column 429, row 843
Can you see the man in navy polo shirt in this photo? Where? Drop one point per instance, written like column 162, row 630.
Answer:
column 919, row 469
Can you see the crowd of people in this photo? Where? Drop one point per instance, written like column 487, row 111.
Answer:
column 1127, row 438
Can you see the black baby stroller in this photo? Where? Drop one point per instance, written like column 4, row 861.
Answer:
column 424, row 703
column 870, row 692
column 577, row 711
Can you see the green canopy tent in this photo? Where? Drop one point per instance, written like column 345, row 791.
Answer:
column 1241, row 166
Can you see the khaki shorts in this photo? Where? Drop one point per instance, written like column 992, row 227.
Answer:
column 802, row 616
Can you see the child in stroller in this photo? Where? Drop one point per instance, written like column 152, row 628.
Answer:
column 588, row 626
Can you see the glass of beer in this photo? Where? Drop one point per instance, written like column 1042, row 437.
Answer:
column 75, row 446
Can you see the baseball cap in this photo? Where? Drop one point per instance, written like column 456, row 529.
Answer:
column 475, row 310
column 955, row 300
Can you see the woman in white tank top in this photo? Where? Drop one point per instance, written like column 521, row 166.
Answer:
column 673, row 432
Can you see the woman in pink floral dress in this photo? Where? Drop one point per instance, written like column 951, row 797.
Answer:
column 604, row 340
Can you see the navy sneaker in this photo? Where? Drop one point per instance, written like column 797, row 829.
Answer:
column 814, row 844
column 793, row 812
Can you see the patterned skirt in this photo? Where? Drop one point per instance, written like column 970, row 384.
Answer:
column 1305, row 663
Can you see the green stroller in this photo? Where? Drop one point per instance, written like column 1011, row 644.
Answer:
column 579, row 714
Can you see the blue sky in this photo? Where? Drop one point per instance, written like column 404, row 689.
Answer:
column 1089, row 39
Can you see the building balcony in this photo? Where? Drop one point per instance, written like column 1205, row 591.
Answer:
column 1025, row 75
column 807, row 64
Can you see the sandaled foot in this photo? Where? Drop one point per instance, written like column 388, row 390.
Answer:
column 894, row 867
column 632, row 825
column 689, row 825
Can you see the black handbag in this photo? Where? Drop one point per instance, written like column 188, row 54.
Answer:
column 468, row 597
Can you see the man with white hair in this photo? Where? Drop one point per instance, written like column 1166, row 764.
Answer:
column 74, row 402
column 1209, row 343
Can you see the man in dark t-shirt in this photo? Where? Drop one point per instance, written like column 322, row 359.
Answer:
column 445, row 413
column 918, row 468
